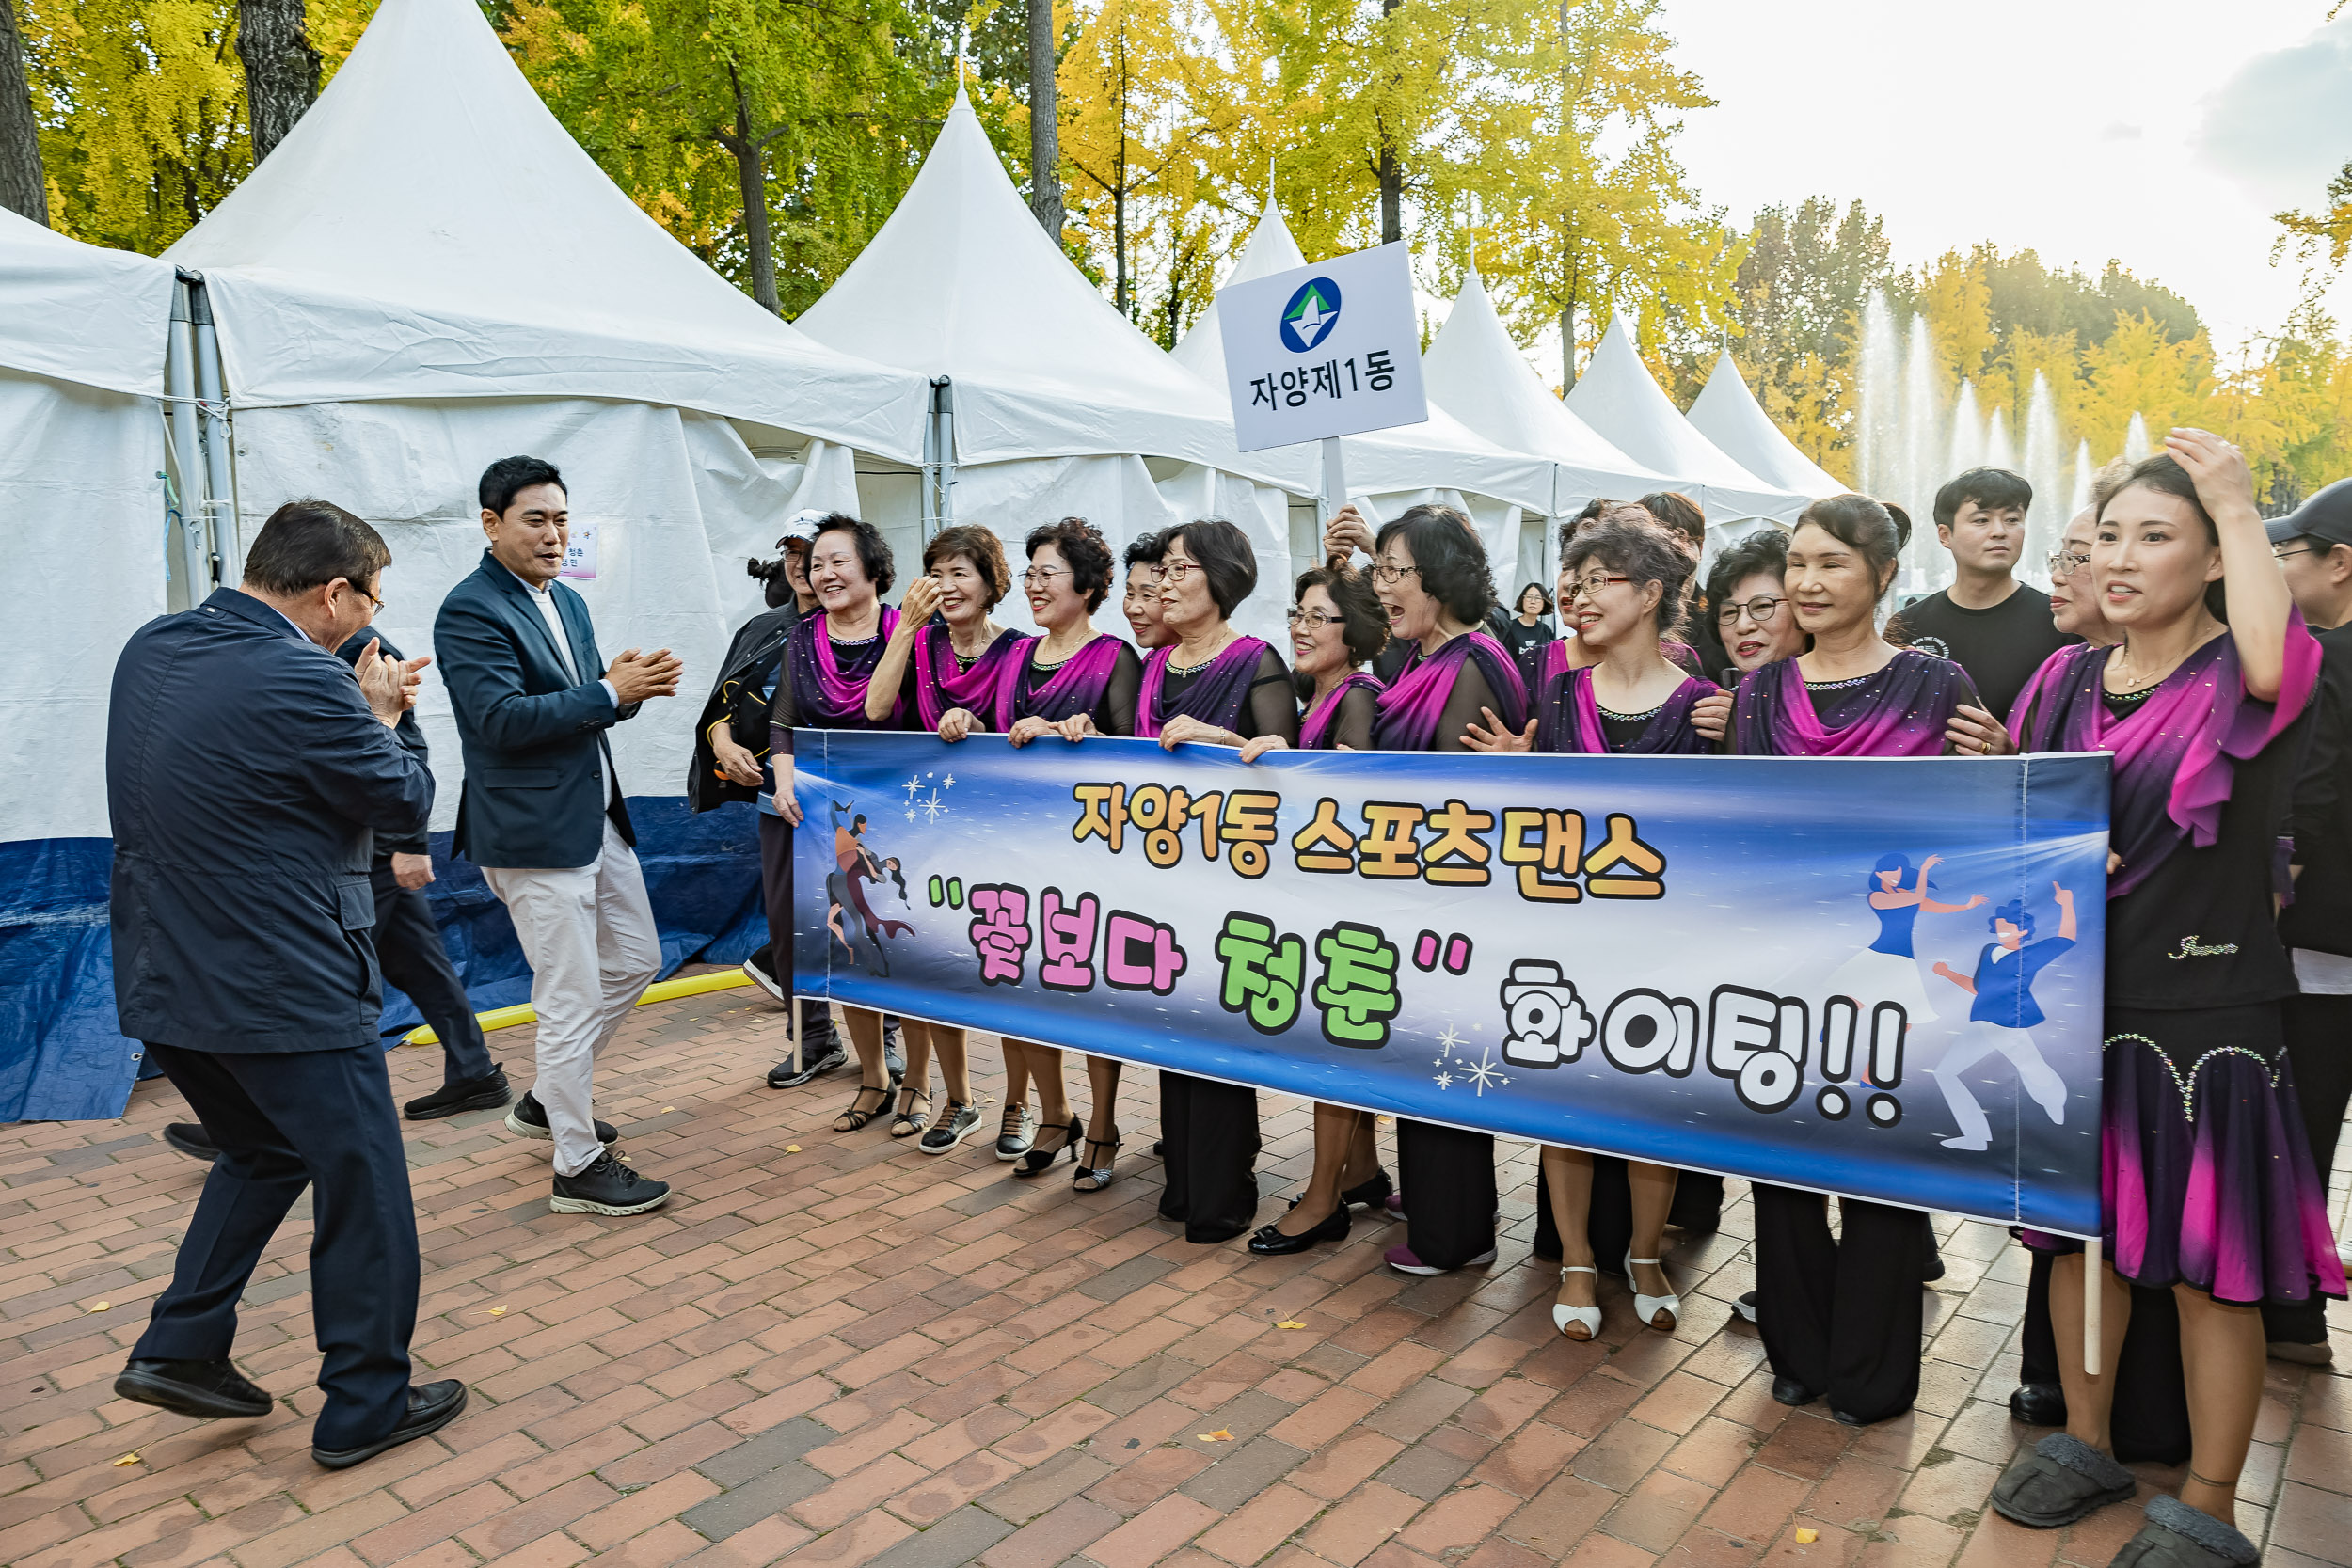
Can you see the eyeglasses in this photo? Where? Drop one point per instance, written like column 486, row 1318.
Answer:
column 2281, row 554
column 2066, row 563
column 1759, row 610
column 1143, row 574
column 365, row 595
column 1385, row 572
column 1591, row 583
column 1313, row 620
column 1177, row 571
column 1041, row 577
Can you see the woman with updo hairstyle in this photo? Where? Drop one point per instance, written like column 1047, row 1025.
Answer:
column 1430, row 571
column 1214, row 687
column 1841, row 1318
column 1074, row 682
column 829, row 665
column 1336, row 628
column 954, row 671
column 2210, row 1187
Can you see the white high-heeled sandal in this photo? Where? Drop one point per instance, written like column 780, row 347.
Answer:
column 1565, row 1317
column 1647, row 1307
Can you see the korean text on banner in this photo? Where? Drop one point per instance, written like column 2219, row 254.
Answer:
column 1328, row 350
column 1881, row 977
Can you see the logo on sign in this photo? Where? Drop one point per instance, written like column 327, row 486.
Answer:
column 1311, row 315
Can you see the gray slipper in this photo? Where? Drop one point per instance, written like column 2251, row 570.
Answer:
column 2179, row 1536
column 2058, row 1481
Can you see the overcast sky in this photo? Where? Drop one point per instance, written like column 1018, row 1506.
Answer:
column 2163, row 134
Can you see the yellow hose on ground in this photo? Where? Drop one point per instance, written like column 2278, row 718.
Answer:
column 660, row 990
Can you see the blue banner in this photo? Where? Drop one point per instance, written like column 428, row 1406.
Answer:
column 1880, row 977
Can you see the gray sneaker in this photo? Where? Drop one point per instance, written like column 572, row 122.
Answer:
column 951, row 1128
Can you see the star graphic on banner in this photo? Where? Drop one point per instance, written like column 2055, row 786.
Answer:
column 914, row 787
column 934, row 808
column 1449, row 1039
column 1445, row 1079
column 951, row 781
column 909, row 814
column 1483, row 1074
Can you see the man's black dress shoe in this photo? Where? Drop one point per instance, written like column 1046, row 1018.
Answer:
column 201, row 1388
column 189, row 1139
column 2038, row 1404
column 431, row 1407
column 484, row 1093
column 530, row 1118
column 1788, row 1390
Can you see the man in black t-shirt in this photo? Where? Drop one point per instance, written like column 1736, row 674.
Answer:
column 1987, row 621
column 2314, row 544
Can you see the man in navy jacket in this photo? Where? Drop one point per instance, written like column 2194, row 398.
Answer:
column 542, row 815
column 247, row 773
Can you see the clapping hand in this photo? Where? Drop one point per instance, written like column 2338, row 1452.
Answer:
column 389, row 685
column 636, row 676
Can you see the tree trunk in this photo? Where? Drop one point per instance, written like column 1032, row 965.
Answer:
column 751, row 170
column 1567, row 350
column 22, row 187
column 1391, row 171
column 1044, row 127
column 281, row 69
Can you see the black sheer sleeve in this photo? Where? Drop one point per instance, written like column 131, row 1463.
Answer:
column 1273, row 706
column 1352, row 726
column 1115, row 713
column 1464, row 706
column 782, row 714
column 1965, row 697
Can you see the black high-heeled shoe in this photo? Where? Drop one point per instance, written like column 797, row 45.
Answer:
column 1037, row 1161
column 1270, row 1243
column 1369, row 1194
column 1090, row 1176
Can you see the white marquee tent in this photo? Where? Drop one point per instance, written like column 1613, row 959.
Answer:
column 1616, row 397
column 1059, row 406
column 83, row 452
column 1477, row 371
column 1727, row 414
column 429, row 274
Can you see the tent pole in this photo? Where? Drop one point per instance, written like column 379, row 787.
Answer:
column 1334, row 479
column 186, row 448
column 944, row 393
column 222, row 529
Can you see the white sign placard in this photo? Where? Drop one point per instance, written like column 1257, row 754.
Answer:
column 1332, row 349
column 579, row 551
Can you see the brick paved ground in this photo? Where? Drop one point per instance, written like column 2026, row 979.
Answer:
column 855, row 1353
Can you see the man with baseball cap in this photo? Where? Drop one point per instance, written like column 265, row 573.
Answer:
column 2314, row 544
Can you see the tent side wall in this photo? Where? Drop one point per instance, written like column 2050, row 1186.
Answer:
column 80, row 482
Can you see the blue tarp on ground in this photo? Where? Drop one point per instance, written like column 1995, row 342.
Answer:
column 63, row 1057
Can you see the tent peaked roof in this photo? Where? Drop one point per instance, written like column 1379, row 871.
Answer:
column 1474, row 369
column 1617, row 398
column 428, row 229
column 1727, row 414
column 961, row 282
column 80, row 312
column 1270, row 249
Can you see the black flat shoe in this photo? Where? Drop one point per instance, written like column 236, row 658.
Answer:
column 431, row 1407
column 201, row 1388
column 1368, row 1195
column 189, row 1139
column 1848, row 1418
column 485, row 1093
column 1788, row 1390
column 2038, row 1404
column 1270, row 1243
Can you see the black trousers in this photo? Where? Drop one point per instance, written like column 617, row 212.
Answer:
column 1447, row 1177
column 2319, row 1053
column 284, row 1121
column 408, row 950
column 2150, row 1418
column 1697, row 1211
column 775, row 891
column 1210, row 1133
column 1841, row 1316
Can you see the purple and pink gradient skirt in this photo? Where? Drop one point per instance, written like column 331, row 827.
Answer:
column 2206, row 1177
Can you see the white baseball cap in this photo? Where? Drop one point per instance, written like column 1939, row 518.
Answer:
column 803, row 528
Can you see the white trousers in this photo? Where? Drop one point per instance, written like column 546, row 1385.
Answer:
column 1972, row 1043
column 589, row 936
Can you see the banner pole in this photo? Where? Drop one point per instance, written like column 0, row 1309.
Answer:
column 1334, row 478
column 2093, row 1288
